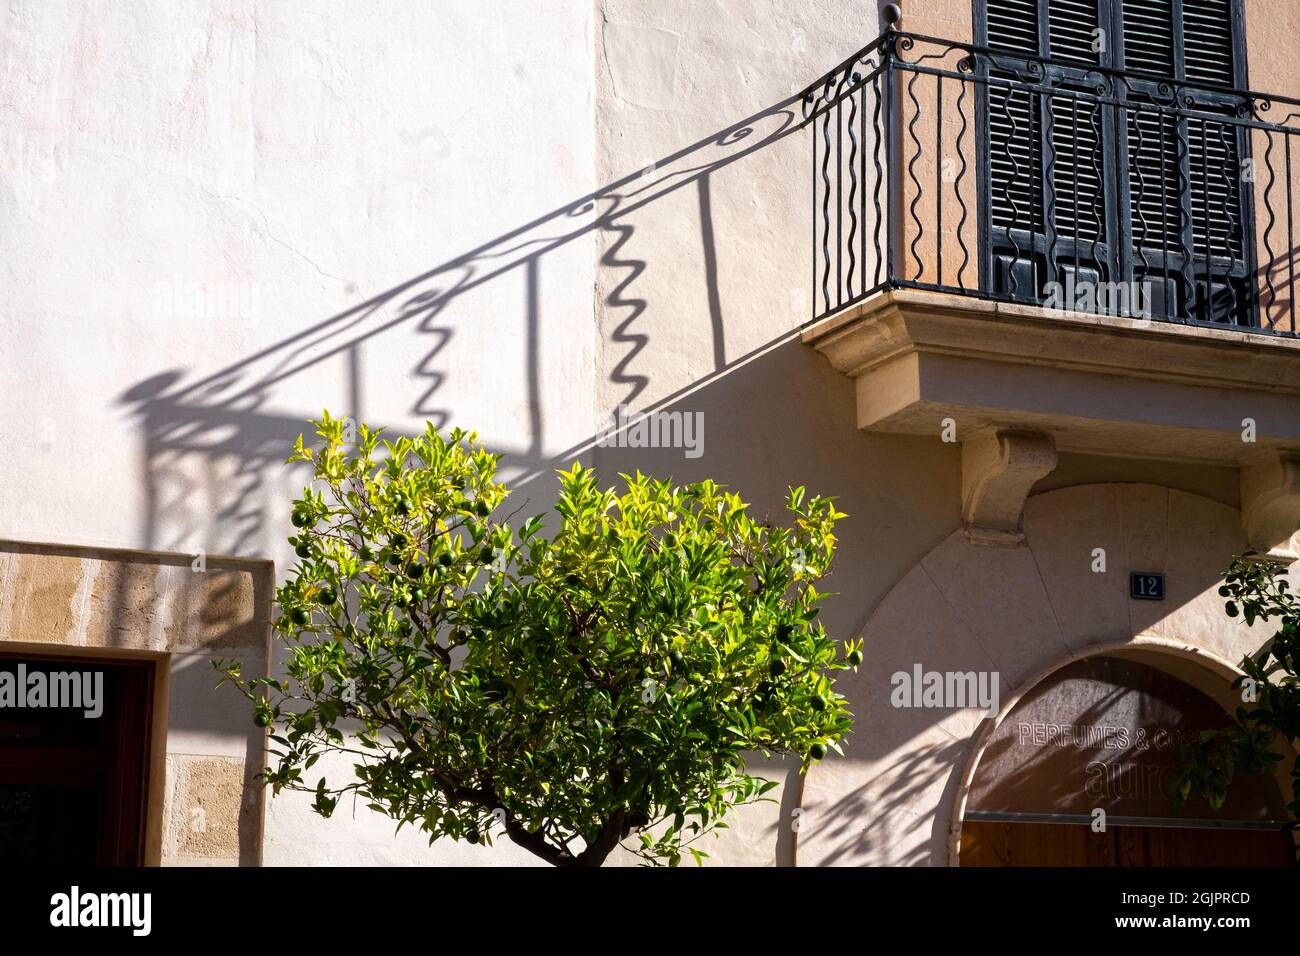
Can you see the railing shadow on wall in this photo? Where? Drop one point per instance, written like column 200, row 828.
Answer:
column 897, row 203
column 226, row 415
column 957, row 168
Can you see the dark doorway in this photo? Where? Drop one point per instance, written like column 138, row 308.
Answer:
column 73, row 786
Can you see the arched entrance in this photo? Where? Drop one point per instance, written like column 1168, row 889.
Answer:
column 899, row 794
column 1077, row 773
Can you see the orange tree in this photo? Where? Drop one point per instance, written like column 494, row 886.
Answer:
column 599, row 686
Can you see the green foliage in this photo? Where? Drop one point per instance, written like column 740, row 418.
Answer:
column 600, row 685
column 1270, row 688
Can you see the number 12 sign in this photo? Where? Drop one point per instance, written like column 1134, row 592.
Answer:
column 1146, row 586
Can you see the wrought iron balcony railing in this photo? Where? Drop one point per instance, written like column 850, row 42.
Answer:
column 958, row 168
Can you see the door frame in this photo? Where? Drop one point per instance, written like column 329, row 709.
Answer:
column 158, row 680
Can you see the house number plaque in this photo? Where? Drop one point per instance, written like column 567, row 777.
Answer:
column 1146, row 586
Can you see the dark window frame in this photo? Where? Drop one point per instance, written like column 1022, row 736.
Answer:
column 1116, row 240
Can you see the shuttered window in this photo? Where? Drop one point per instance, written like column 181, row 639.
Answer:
column 1149, row 36
column 1144, row 192
column 1076, row 175
column 1208, row 42
column 1208, row 58
column 1014, row 120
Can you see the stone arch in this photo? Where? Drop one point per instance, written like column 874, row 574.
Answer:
column 1205, row 671
column 1019, row 613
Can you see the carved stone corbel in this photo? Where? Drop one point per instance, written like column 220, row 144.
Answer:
column 1270, row 505
column 998, row 468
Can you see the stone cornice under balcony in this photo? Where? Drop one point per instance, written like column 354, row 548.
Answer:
column 1097, row 384
column 1016, row 381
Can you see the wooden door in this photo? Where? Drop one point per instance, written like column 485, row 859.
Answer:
column 995, row 843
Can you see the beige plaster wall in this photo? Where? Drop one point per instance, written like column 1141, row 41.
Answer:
column 1219, row 483
column 221, row 218
column 205, row 808
column 701, row 278
column 936, row 122
column 1273, row 68
column 700, row 290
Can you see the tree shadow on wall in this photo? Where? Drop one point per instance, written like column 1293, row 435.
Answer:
column 866, row 824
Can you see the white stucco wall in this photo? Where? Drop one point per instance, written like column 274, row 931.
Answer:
column 217, row 219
